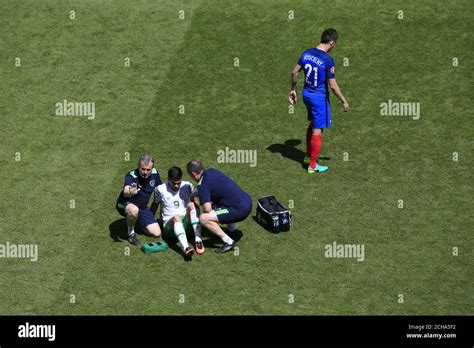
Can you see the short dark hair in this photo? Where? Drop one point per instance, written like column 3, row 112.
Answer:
column 175, row 173
column 194, row 166
column 329, row 34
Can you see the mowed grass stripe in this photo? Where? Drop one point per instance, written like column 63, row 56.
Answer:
column 67, row 143
column 160, row 44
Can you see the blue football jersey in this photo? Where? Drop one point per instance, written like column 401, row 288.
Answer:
column 147, row 187
column 318, row 68
column 217, row 188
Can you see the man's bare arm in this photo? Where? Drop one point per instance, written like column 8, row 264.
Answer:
column 337, row 91
column 294, row 79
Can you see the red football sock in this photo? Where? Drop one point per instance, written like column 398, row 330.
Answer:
column 316, row 140
column 309, row 132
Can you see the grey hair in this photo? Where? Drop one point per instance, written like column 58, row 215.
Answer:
column 194, row 166
column 145, row 158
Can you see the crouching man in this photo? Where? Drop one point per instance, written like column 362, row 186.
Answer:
column 132, row 202
column 223, row 202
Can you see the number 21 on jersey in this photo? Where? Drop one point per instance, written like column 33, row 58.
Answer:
column 309, row 69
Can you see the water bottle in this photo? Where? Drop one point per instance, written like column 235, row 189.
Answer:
column 276, row 222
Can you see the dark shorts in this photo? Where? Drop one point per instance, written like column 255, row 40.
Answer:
column 145, row 216
column 229, row 215
column 319, row 109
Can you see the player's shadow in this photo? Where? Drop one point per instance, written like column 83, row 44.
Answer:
column 208, row 239
column 288, row 150
column 173, row 245
column 118, row 233
column 118, row 230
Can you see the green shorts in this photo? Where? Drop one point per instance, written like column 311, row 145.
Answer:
column 169, row 232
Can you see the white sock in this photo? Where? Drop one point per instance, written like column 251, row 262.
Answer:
column 196, row 225
column 231, row 227
column 180, row 233
column 131, row 231
column 227, row 239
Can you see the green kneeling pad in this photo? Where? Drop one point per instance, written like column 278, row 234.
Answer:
column 154, row 247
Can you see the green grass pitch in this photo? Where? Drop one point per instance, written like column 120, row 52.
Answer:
column 423, row 251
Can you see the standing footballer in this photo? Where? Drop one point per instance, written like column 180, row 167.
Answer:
column 319, row 76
